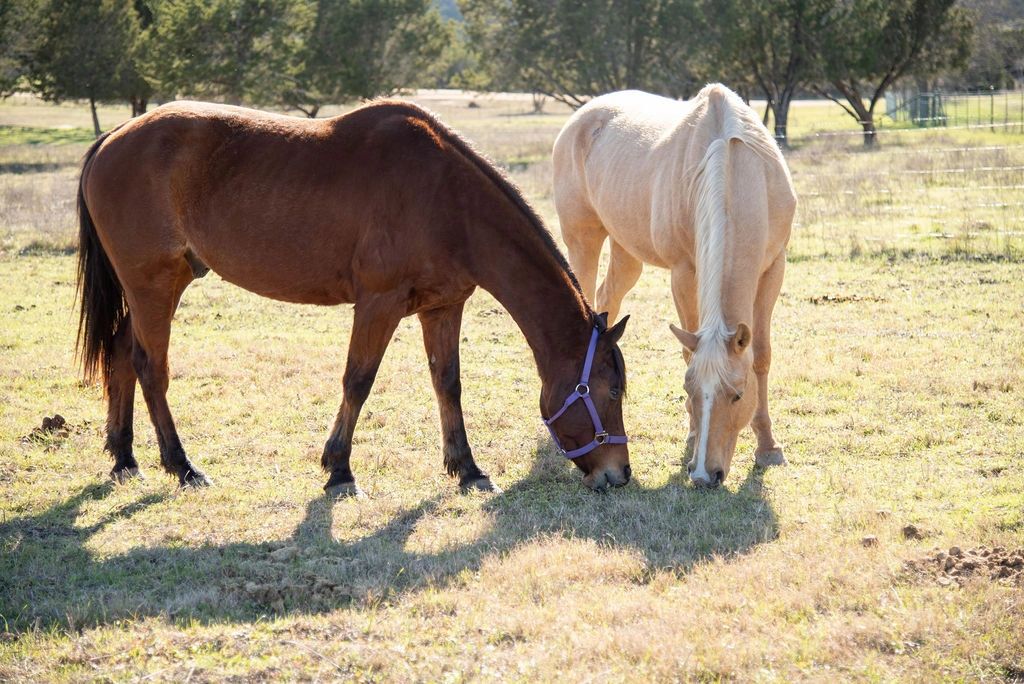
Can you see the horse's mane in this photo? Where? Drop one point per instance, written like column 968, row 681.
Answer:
column 494, row 173
column 707, row 194
column 497, row 176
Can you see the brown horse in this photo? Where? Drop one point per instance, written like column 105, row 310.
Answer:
column 385, row 208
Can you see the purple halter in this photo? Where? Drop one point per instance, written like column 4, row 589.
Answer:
column 582, row 391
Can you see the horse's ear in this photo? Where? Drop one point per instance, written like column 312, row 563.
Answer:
column 688, row 339
column 602, row 319
column 741, row 340
column 615, row 333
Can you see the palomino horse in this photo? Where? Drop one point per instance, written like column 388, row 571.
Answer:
column 385, row 208
column 699, row 188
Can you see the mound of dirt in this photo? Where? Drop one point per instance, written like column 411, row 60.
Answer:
column 308, row 589
column 52, row 430
column 957, row 565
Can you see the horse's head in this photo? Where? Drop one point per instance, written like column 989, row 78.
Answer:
column 595, row 440
column 721, row 395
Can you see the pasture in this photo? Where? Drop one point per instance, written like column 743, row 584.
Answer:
column 897, row 390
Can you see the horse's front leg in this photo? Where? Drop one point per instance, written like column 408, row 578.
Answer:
column 768, row 451
column 441, row 340
column 684, row 294
column 373, row 325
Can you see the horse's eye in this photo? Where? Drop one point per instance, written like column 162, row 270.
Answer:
column 737, row 398
column 614, row 393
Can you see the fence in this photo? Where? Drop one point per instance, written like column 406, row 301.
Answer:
column 993, row 108
column 917, row 193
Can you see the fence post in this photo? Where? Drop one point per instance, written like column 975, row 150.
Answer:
column 992, row 108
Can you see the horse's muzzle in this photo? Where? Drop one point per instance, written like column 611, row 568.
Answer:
column 607, row 477
column 703, row 483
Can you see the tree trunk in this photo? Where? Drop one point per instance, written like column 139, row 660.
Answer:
column 309, row 112
column 139, row 105
column 866, row 119
column 870, row 138
column 780, row 111
column 95, row 117
column 865, row 116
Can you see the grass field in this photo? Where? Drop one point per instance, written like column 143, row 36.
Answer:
column 897, row 389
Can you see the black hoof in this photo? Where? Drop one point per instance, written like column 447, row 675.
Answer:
column 124, row 475
column 194, row 478
column 479, row 484
column 344, row 490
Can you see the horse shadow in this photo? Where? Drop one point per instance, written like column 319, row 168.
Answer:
column 49, row 578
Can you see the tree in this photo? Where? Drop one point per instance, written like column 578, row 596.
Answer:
column 233, row 50
column 138, row 88
column 16, row 39
column 997, row 50
column 83, row 51
column 873, row 43
column 365, row 48
column 775, row 42
column 571, row 50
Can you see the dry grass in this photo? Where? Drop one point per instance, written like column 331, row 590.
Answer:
column 898, row 391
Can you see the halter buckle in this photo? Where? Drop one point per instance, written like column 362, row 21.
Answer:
column 601, row 437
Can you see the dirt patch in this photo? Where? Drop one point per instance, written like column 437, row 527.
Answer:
column 912, row 532
column 844, row 299
column 51, row 432
column 957, row 565
column 306, row 589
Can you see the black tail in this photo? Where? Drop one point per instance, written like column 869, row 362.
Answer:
column 102, row 307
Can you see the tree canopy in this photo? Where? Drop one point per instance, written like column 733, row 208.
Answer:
column 572, row 50
column 774, row 42
column 364, row 48
column 873, row 43
column 16, row 42
column 83, row 51
column 233, row 50
column 303, row 54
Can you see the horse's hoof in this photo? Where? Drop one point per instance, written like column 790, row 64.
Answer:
column 480, row 484
column 772, row 457
column 125, row 475
column 345, row 490
column 195, row 478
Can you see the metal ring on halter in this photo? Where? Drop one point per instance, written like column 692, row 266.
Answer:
column 583, row 389
column 601, row 437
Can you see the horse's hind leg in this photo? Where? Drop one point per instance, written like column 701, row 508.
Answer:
column 623, row 271
column 120, row 405
column 373, row 325
column 152, row 307
column 441, row 340
column 768, row 451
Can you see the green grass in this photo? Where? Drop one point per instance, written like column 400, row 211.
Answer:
column 897, row 389
column 31, row 135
